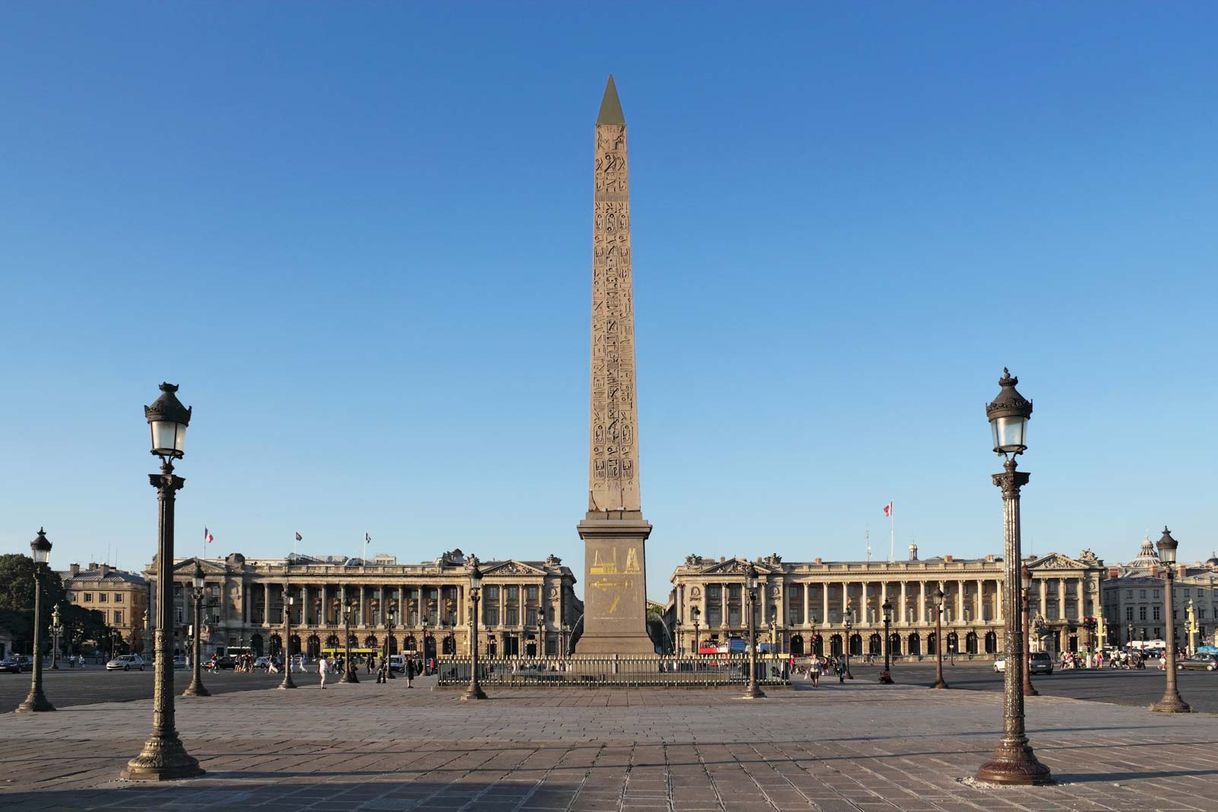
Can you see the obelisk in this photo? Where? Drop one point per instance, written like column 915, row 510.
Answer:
column 614, row 531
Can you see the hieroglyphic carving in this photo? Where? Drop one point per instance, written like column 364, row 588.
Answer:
column 613, row 480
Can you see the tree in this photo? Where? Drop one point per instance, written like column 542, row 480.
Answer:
column 17, row 584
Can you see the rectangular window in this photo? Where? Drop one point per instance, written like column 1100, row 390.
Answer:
column 118, row 597
column 101, row 597
column 88, row 597
column 1129, row 613
column 531, row 595
column 1141, row 613
column 118, row 617
column 714, row 606
column 1156, row 613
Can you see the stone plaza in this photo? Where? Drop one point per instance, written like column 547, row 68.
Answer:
column 858, row 746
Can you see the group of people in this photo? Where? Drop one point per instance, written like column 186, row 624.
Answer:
column 813, row 667
column 335, row 664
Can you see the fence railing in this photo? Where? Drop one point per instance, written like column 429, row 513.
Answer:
column 593, row 672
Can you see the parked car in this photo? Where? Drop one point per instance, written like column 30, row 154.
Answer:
column 1201, row 662
column 221, row 662
column 1039, row 662
column 397, row 662
column 125, row 662
column 14, row 664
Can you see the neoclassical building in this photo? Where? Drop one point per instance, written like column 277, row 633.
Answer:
column 1133, row 600
column 803, row 606
column 120, row 596
column 522, row 603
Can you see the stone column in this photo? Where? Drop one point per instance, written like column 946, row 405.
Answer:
column 1044, row 596
column 824, row 598
column 921, row 603
column 1061, row 598
column 723, row 589
column 1081, row 599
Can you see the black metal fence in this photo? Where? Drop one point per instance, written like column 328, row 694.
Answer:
column 595, row 672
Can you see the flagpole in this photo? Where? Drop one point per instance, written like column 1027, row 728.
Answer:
column 892, row 533
column 867, row 536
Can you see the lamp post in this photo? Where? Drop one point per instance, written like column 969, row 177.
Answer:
column 144, row 648
column 1171, row 701
column 289, row 601
column 541, row 638
column 566, row 640
column 1013, row 761
column 390, row 617
column 849, row 628
column 938, row 599
column 36, row 701
column 753, row 692
column 57, row 628
column 697, row 615
column 886, row 677
column 1026, row 581
column 474, row 691
column 677, row 635
column 163, row 757
column 349, row 674
column 195, row 688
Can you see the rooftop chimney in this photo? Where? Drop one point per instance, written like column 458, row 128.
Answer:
column 74, row 569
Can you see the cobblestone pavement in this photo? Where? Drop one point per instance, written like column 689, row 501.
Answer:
column 369, row 747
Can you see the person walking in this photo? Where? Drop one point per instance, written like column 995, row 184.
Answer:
column 410, row 672
column 322, row 667
column 814, row 671
column 840, row 667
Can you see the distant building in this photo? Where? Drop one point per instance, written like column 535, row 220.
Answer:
column 120, row 596
column 804, row 605
column 6, row 642
column 1133, row 600
column 522, row 602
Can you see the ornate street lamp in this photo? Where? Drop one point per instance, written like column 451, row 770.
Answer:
column 56, row 629
column 677, row 634
column 753, row 692
column 1171, row 701
column 938, row 599
column 163, row 757
column 1026, row 580
column 541, row 637
column 196, row 648
column 474, row 691
column 289, row 601
column 390, row 616
column 36, row 701
column 886, row 677
column 849, row 628
column 1013, row 761
column 697, row 615
column 349, row 674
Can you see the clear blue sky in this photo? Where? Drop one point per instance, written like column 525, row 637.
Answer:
column 359, row 237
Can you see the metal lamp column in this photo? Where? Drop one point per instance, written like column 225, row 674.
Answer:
column 753, row 691
column 288, row 602
column 36, row 701
column 849, row 629
column 886, row 677
column 163, row 757
column 1171, row 701
column 349, row 674
column 938, row 598
column 474, row 691
column 1013, row 761
column 196, row 680
column 1028, row 688
column 56, row 629
column 390, row 617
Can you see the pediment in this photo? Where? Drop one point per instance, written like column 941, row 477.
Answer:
column 738, row 566
column 512, row 568
column 186, row 567
column 1057, row 561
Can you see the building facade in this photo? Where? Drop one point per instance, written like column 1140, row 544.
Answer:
column 1133, row 601
column 120, row 596
column 803, row 607
column 525, row 605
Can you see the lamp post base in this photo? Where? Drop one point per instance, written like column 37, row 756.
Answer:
column 753, row 692
column 939, row 683
column 1030, row 690
column 1170, row 703
column 287, row 682
column 195, row 688
column 349, row 676
column 36, row 702
column 886, row 678
column 1014, row 763
column 473, row 692
column 163, row 759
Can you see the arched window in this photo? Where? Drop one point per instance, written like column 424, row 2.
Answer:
column 314, row 646
column 818, row 645
column 873, row 646
column 450, row 645
column 370, row 641
column 953, row 642
column 332, row 641
column 256, row 645
column 915, row 644
column 970, row 643
column 835, row 645
column 797, row 644
column 932, row 644
column 856, row 645
column 393, row 644
column 894, row 645
column 293, row 645
column 991, row 643
column 408, row 644
column 276, row 645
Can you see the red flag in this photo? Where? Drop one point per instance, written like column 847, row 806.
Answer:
column 888, row 510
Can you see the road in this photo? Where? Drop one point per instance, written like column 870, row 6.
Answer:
column 73, row 687
column 1134, row 688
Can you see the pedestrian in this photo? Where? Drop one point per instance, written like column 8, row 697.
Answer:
column 322, row 667
column 814, row 671
column 840, row 667
column 381, row 675
column 410, row 672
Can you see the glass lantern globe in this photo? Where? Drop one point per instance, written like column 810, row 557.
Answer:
column 1008, row 414
column 168, row 419
column 197, row 577
column 475, row 576
column 40, row 548
column 1167, row 548
column 752, row 577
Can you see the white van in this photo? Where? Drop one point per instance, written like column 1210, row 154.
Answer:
column 397, row 662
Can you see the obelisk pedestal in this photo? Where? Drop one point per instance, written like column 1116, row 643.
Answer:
column 614, row 531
